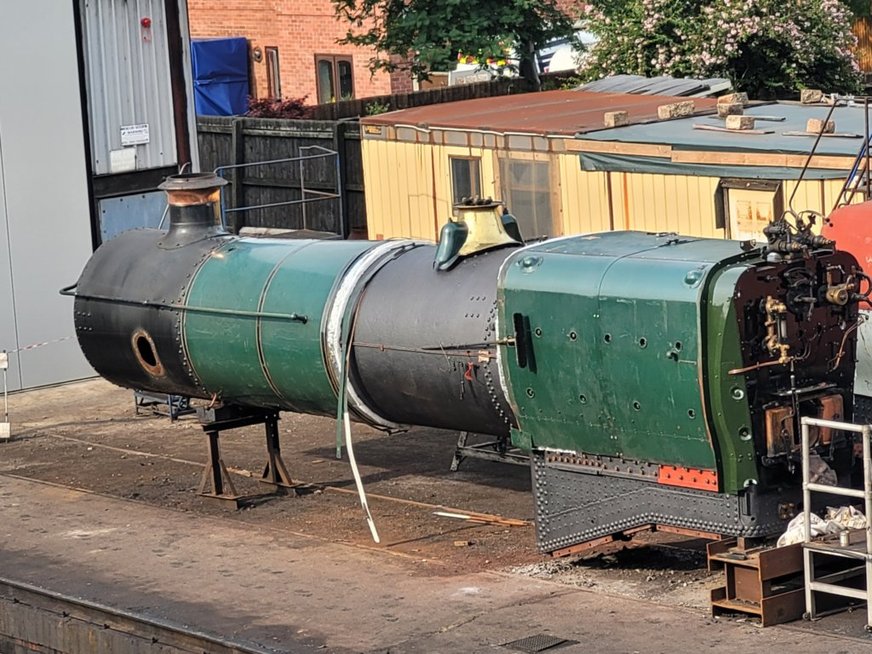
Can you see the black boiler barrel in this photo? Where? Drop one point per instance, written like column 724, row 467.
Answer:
column 424, row 350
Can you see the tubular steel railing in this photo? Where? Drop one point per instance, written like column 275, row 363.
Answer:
column 307, row 195
column 810, row 548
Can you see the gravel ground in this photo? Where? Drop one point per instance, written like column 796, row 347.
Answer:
column 87, row 435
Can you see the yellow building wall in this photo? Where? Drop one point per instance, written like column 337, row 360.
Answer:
column 409, row 195
column 399, row 179
column 583, row 197
column 816, row 195
column 666, row 203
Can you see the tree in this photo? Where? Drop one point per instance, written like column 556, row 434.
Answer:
column 427, row 35
column 769, row 48
column 860, row 8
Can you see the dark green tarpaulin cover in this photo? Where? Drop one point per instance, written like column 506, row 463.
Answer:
column 681, row 135
column 627, row 163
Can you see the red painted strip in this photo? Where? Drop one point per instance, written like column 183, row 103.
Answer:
column 698, row 478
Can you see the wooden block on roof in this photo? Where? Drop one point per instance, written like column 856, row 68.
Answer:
column 811, row 96
column 818, row 126
column 733, row 98
column 730, row 109
column 676, row 110
column 616, row 118
column 739, row 122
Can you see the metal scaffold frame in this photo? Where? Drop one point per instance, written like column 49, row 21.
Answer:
column 810, row 549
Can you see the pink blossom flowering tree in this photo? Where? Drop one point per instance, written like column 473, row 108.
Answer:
column 769, row 48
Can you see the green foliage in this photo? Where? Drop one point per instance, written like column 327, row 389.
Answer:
column 376, row 107
column 860, row 8
column 425, row 35
column 769, row 48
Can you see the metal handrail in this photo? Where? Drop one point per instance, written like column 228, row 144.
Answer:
column 307, row 195
column 809, row 548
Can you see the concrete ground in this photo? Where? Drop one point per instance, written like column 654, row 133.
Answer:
column 100, row 503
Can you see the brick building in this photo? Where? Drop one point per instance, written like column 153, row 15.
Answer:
column 294, row 49
column 295, row 54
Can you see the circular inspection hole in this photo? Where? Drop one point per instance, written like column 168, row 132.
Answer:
column 678, row 345
column 573, row 336
column 643, row 342
column 531, row 392
column 538, row 331
column 582, row 398
column 691, row 414
column 146, row 353
column 607, row 338
column 637, row 406
column 745, row 434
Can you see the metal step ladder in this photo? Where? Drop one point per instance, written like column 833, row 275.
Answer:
column 845, row 550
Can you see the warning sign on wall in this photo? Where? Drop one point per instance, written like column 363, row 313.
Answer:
column 134, row 135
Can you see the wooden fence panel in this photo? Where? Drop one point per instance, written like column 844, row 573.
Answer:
column 863, row 31
column 229, row 141
column 363, row 106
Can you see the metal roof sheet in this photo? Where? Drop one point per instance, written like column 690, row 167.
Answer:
column 662, row 85
column 545, row 113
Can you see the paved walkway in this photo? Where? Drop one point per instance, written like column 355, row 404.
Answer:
column 294, row 593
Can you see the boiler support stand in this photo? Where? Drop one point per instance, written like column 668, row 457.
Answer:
column 216, row 481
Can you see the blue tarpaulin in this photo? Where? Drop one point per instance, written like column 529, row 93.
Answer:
column 220, row 70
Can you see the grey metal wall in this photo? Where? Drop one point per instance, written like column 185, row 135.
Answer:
column 45, row 235
column 128, row 84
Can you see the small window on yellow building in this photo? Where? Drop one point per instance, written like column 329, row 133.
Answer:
column 526, row 189
column 465, row 178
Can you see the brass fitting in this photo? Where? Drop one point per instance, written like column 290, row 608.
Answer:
column 839, row 294
column 774, row 310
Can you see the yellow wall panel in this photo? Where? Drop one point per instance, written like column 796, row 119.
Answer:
column 666, row 203
column 584, row 205
column 817, row 195
column 399, row 189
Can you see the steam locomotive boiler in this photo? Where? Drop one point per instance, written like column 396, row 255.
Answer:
column 655, row 379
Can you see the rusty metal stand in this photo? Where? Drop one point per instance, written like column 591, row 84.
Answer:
column 759, row 581
column 499, row 450
column 215, row 473
column 216, row 481
column 275, row 472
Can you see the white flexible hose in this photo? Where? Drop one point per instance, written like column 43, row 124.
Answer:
column 357, row 480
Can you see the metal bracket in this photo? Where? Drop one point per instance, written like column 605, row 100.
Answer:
column 499, row 450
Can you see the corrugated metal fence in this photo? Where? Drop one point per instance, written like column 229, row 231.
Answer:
column 228, row 141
